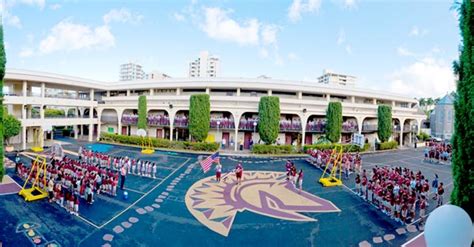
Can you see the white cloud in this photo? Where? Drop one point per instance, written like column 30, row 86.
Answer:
column 299, row 7
column 350, row 4
column 427, row 77
column 179, row 17
column 26, row 52
column 269, row 34
column 11, row 20
column 55, row 6
column 278, row 59
column 348, row 49
column 417, row 32
column 292, row 56
column 69, row 36
column 218, row 25
column 39, row 3
column 341, row 38
column 263, row 53
column 405, row 53
column 122, row 15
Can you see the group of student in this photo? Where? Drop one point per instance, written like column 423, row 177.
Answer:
column 398, row 192
column 437, row 152
column 349, row 162
column 293, row 176
column 132, row 166
column 68, row 180
column 248, row 123
column 239, row 170
column 158, row 120
column 181, row 121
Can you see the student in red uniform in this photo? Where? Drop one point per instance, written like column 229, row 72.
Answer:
column 423, row 205
column 440, row 195
column 238, row 173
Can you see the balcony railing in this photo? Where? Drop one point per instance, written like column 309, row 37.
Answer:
column 289, row 126
column 248, row 124
column 158, row 120
column 181, row 122
column 369, row 128
column 222, row 123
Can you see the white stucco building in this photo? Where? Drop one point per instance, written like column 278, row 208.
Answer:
column 205, row 66
column 112, row 107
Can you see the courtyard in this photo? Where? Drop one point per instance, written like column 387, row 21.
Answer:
column 169, row 209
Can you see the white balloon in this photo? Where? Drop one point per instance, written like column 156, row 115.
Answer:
column 448, row 225
column 141, row 132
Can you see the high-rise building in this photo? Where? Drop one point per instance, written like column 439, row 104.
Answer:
column 332, row 78
column 205, row 66
column 131, row 71
column 442, row 118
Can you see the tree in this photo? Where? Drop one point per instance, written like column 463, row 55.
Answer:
column 11, row 126
column 199, row 116
column 3, row 61
column 142, row 113
column 384, row 116
column 334, row 121
column 463, row 139
column 269, row 118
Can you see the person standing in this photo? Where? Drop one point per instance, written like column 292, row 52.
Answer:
column 218, row 171
column 238, row 173
column 223, row 143
column 434, row 186
column 123, row 173
column 300, row 180
column 440, row 194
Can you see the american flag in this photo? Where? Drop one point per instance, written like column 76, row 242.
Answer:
column 207, row 163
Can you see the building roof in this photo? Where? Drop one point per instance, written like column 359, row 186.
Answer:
column 446, row 100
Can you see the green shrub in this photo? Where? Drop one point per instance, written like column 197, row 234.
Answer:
column 199, row 116
column 388, row 145
column 272, row 149
column 142, row 112
column 334, row 121
column 384, row 127
column 423, row 136
column 269, row 118
column 11, row 126
column 54, row 113
column 160, row 143
column 345, row 147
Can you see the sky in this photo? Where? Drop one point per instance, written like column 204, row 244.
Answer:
column 404, row 46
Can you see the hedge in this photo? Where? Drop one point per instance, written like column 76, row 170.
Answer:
column 199, row 116
column 384, row 116
column 388, row 145
column 142, row 113
column 334, row 121
column 423, row 136
column 160, row 143
column 269, row 118
column 272, row 149
column 11, row 126
column 54, row 113
column 345, row 147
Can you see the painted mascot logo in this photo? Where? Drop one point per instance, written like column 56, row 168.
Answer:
column 268, row 193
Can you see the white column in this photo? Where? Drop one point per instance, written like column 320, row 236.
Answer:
column 374, row 101
column 23, row 138
column 328, row 97
column 208, row 90
column 98, row 125
column 171, row 116
column 91, row 132
column 75, row 130
column 91, row 95
column 236, row 125
column 41, row 137
column 108, row 93
column 82, row 130
column 353, row 99
column 23, row 111
column 300, row 95
column 178, row 91
column 238, row 91
column 52, row 135
column 151, row 91
column 43, row 89
column 360, row 121
column 269, row 92
column 25, row 88
column 393, row 103
column 42, row 111
column 128, row 92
